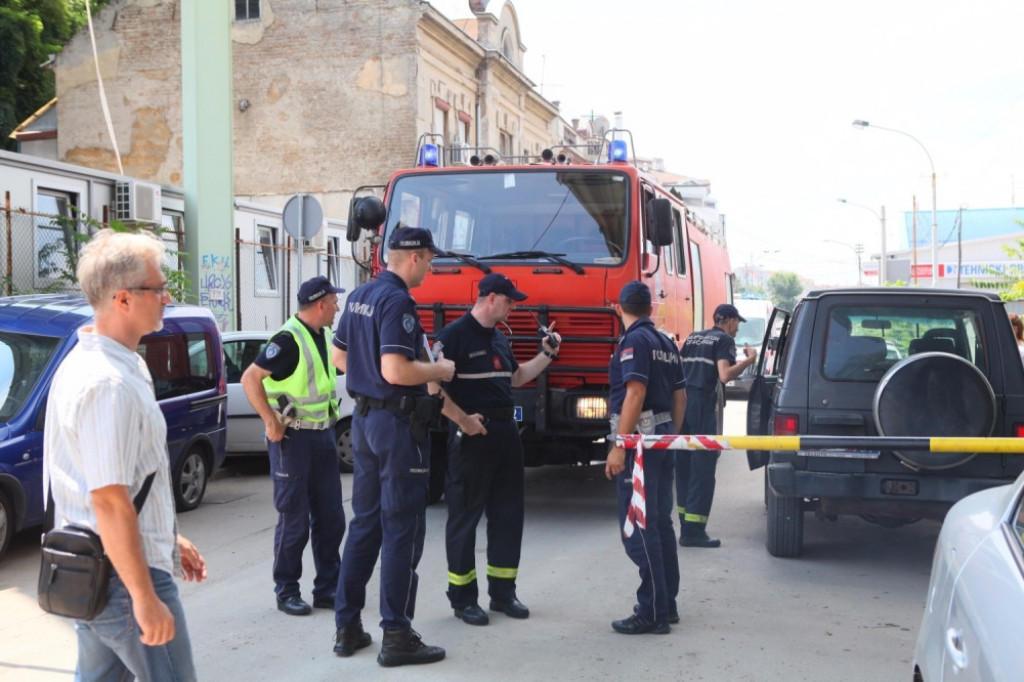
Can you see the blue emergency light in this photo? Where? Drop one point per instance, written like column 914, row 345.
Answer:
column 617, row 151
column 428, row 155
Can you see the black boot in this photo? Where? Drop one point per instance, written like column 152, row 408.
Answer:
column 695, row 535
column 350, row 638
column 404, row 647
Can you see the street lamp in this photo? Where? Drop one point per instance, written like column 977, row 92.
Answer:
column 935, row 225
column 881, row 217
column 857, row 249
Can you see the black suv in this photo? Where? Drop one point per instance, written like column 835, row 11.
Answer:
column 883, row 362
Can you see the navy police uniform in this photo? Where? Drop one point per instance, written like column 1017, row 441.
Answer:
column 648, row 356
column 485, row 472
column 391, row 471
column 695, row 470
column 307, row 488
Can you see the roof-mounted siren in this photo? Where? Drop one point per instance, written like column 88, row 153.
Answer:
column 429, row 150
column 428, row 155
column 618, row 152
column 137, row 202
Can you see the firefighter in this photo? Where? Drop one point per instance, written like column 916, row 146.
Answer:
column 709, row 357
column 485, row 456
column 646, row 396
column 380, row 343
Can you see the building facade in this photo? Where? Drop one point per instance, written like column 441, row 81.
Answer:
column 329, row 94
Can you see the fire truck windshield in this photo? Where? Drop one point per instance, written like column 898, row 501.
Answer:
column 543, row 214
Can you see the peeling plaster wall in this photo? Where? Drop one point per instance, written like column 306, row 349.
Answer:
column 138, row 48
column 328, row 94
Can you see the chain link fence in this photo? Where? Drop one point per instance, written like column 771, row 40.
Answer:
column 268, row 279
column 255, row 289
column 36, row 254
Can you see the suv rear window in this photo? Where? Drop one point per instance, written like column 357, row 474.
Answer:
column 863, row 342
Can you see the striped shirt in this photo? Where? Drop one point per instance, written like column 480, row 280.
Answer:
column 104, row 427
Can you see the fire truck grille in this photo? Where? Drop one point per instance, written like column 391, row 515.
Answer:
column 588, row 337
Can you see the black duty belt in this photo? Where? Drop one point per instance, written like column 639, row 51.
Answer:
column 495, row 413
column 405, row 404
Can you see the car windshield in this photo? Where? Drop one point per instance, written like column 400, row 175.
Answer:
column 23, row 359
column 865, row 341
column 548, row 215
column 751, row 332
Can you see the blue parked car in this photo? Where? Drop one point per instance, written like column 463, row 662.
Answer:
column 185, row 359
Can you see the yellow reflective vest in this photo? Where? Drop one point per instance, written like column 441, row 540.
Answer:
column 311, row 387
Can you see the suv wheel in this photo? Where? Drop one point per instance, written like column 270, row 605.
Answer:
column 189, row 479
column 785, row 525
column 6, row 523
column 343, row 437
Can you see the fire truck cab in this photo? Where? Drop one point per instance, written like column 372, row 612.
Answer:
column 570, row 236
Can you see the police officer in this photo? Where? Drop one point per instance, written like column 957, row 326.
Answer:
column 647, row 396
column 485, row 456
column 292, row 385
column 380, row 344
column 709, row 357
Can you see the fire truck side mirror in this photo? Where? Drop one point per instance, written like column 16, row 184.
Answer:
column 364, row 213
column 659, row 222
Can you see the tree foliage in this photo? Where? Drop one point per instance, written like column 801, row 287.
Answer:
column 30, row 32
column 783, row 289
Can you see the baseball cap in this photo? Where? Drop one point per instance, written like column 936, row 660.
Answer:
column 727, row 311
column 314, row 289
column 497, row 283
column 412, row 238
column 635, row 293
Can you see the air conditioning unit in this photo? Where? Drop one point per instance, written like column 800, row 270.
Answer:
column 137, row 202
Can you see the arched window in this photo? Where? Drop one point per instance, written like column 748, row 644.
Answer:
column 507, row 48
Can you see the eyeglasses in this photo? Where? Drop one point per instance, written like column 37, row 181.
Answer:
column 159, row 291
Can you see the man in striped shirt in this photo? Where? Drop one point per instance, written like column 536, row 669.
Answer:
column 104, row 435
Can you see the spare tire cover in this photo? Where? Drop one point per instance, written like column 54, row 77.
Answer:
column 934, row 394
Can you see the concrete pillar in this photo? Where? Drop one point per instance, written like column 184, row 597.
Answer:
column 207, row 155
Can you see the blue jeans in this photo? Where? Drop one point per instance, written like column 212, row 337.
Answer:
column 109, row 647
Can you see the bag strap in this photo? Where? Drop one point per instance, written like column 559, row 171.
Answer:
column 140, row 499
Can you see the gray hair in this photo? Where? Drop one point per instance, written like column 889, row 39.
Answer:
column 112, row 261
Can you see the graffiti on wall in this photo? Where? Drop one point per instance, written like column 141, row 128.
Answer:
column 217, row 287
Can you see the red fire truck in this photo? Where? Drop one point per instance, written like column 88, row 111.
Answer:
column 570, row 236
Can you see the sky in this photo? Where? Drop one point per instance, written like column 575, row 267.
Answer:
column 759, row 99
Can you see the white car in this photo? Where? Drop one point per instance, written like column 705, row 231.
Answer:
column 245, row 428
column 974, row 615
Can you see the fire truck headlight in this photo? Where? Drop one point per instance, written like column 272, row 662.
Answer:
column 617, row 151
column 428, row 155
column 592, row 407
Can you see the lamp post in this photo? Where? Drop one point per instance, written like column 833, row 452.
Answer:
column 935, row 225
column 858, row 249
column 881, row 217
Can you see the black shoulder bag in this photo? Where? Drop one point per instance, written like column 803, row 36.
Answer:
column 74, row 571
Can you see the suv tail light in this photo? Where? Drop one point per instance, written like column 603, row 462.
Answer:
column 786, row 425
column 1018, row 430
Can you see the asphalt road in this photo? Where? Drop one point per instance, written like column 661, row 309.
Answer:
column 849, row 609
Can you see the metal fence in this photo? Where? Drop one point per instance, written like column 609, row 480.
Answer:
column 254, row 289
column 268, row 278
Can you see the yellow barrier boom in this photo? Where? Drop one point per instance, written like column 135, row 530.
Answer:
column 839, row 443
